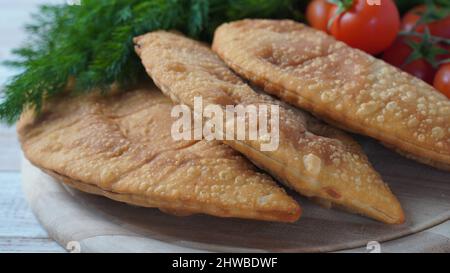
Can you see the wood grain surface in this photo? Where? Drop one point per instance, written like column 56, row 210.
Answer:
column 19, row 229
column 99, row 224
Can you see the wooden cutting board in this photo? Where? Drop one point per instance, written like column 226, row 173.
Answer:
column 89, row 223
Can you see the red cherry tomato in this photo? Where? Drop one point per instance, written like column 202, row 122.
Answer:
column 421, row 69
column 372, row 28
column 318, row 14
column 442, row 80
column 410, row 18
column 398, row 52
column 440, row 28
column 397, row 55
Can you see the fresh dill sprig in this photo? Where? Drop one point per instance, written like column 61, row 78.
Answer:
column 92, row 43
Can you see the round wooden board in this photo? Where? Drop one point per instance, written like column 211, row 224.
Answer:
column 98, row 224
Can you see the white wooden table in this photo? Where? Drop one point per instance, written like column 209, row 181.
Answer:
column 19, row 230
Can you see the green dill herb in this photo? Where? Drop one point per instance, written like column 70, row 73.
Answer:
column 92, row 43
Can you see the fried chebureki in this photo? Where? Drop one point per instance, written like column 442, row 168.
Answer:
column 312, row 158
column 342, row 85
column 120, row 147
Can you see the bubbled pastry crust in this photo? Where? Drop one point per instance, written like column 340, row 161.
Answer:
column 314, row 159
column 342, row 85
column 120, row 147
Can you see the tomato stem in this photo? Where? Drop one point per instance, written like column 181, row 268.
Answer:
column 432, row 13
column 446, row 61
column 343, row 6
column 434, row 39
column 425, row 49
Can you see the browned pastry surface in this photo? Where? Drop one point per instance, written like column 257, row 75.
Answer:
column 315, row 159
column 120, row 147
column 342, row 85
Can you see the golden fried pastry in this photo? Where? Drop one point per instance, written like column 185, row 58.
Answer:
column 314, row 159
column 120, row 147
column 342, row 85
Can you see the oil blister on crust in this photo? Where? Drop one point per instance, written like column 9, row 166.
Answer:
column 348, row 87
column 314, row 159
column 120, row 147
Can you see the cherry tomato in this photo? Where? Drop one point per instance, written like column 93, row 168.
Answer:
column 397, row 55
column 442, row 80
column 372, row 28
column 421, row 69
column 318, row 14
column 440, row 28
column 398, row 52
